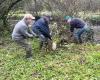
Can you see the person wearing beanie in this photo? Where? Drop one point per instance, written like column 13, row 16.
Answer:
column 76, row 23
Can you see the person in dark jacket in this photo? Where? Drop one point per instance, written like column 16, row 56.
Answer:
column 20, row 33
column 76, row 23
column 41, row 28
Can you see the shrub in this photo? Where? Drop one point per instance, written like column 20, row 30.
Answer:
column 95, row 20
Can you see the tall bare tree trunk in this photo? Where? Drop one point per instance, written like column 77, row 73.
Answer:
column 36, row 13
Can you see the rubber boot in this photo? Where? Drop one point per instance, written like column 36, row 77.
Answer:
column 28, row 54
column 41, row 45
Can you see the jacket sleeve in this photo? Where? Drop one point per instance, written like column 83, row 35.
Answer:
column 24, row 32
column 32, row 32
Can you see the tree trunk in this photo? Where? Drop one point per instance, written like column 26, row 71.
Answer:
column 5, row 7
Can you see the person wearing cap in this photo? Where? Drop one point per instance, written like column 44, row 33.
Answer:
column 41, row 28
column 76, row 23
column 20, row 33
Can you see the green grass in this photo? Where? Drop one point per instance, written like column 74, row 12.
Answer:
column 74, row 62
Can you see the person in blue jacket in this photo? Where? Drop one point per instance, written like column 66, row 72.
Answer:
column 41, row 28
column 76, row 23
